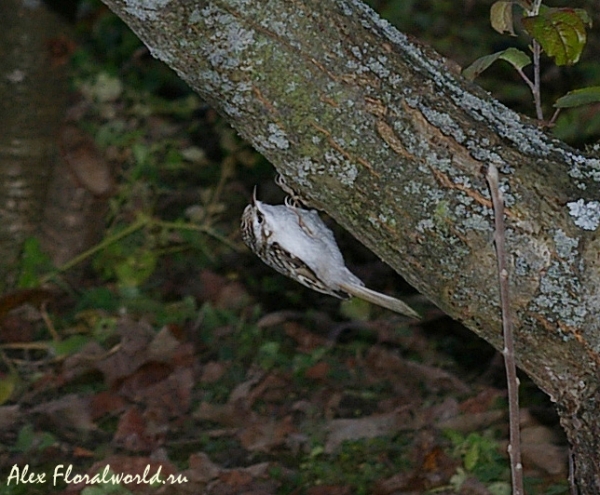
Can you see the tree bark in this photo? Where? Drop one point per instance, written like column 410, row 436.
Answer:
column 33, row 85
column 60, row 195
column 381, row 133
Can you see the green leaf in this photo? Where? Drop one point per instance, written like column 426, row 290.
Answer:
column 70, row 345
column 513, row 56
column 269, row 355
column 136, row 268
column 472, row 457
column 25, row 438
column 579, row 97
column 500, row 488
column 34, row 261
column 7, row 387
column 501, row 17
column 355, row 309
column 560, row 32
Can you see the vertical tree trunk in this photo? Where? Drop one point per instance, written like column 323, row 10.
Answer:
column 33, row 89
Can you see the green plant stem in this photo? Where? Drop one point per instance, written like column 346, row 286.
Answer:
column 141, row 222
column 226, row 172
column 196, row 228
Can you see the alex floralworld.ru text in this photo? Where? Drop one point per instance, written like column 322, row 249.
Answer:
column 64, row 473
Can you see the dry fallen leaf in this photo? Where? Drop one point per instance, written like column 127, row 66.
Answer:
column 9, row 416
column 70, row 413
column 264, row 434
column 131, row 432
column 202, row 469
column 213, row 371
column 307, row 340
column 339, row 430
column 130, row 354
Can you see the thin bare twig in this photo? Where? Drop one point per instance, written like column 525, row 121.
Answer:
column 552, row 121
column 529, row 82
column 514, row 447
column 537, row 93
column 536, row 50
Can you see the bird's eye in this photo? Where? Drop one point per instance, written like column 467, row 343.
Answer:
column 259, row 217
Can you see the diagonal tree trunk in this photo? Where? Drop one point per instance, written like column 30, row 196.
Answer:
column 380, row 132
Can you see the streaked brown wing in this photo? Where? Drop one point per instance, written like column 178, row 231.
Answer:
column 295, row 268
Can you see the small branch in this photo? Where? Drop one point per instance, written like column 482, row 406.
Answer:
column 552, row 121
column 536, row 49
column 537, row 98
column 514, row 447
column 529, row 82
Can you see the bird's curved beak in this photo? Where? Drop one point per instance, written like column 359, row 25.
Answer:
column 254, row 197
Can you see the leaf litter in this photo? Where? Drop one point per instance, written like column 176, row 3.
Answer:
column 161, row 397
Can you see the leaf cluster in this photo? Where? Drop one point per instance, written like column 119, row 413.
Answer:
column 560, row 33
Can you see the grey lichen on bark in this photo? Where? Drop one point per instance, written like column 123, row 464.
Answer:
column 384, row 135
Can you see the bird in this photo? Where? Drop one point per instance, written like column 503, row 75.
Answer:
column 296, row 243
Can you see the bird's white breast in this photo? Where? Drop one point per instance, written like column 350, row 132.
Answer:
column 302, row 233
